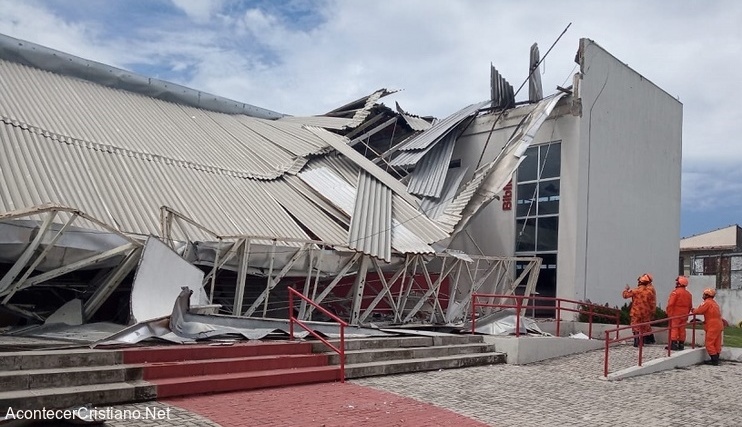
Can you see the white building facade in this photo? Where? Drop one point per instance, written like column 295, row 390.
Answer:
column 598, row 195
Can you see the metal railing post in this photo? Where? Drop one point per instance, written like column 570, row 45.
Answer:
column 342, row 353
column 590, row 322
column 343, row 324
column 559, row 317
column 291, row 315
column 518, row 304
column 605, row 356
column 473, row 312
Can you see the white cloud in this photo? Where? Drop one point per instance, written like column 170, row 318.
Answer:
column 30, row 21
column 198, row 10
column 437, row 51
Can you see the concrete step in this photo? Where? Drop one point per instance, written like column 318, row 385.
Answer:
column 204, row 384
column 66, row 377
column 46, row 359
column 398, row 342
column 192, row 368
column 205, row 351
column 390, row 367
column 65, row 397
column 379, row 354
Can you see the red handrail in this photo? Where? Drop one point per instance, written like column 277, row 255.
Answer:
column 340, row 351
column 641, row 335
column 519, row 306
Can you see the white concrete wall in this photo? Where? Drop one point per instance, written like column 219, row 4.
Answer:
column 729, row 300
column 630, row 153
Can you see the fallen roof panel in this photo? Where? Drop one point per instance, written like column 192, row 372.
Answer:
column 371, row 224
column 430, row 173
column 442, row 127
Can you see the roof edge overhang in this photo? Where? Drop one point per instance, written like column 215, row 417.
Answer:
column 44, row 58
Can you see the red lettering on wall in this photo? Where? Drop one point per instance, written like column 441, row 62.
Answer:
column 507, row 197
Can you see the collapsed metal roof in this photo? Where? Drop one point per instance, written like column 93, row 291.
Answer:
column 120, row 156
column 266, row 197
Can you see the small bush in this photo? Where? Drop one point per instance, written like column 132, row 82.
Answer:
column 604, row 310
column 659, row 313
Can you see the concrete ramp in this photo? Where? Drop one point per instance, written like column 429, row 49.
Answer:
column 678, row 359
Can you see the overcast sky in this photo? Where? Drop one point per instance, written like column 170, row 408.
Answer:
column 308, row 57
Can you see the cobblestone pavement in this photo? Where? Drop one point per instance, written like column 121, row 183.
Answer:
column 565, row 391
column 569, row 391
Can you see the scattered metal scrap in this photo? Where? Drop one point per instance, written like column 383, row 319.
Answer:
column 503, row 322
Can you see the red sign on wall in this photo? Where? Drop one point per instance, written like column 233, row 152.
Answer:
column 507, row 197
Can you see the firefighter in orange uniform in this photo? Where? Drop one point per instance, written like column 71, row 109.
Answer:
column 680, row 303
column 649, row 339
column 713, row 325
column 641, row 309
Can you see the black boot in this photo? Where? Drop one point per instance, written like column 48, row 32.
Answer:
column 636, row 341
column 681, row 345
column 650, row 339
column 673, row 345
column 715, row 359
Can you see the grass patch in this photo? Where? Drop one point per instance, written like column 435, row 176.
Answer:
column 733, row 337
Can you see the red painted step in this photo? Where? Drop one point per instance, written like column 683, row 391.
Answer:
column 205, row 352
column 191, row 368
column 203, row 384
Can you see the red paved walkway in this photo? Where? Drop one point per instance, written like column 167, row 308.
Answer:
column 327, row 404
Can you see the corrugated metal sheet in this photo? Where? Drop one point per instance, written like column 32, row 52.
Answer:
column 119, row 157
column 113, row 120
column 322, row 121
column 340, row 164
column 430, row 173
column 302, row 188
column 438, row 130
column 492, row 178
column 502, row 91
column 415, row 221
column 417, row 123
column 406, row 241
column 332, row 187
column 33, row 55
column 434, row 207
column 415, row 230
column 309, row 213
column 128, row 191
column 361, row 115
column 371, row 224
column 340, row 144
